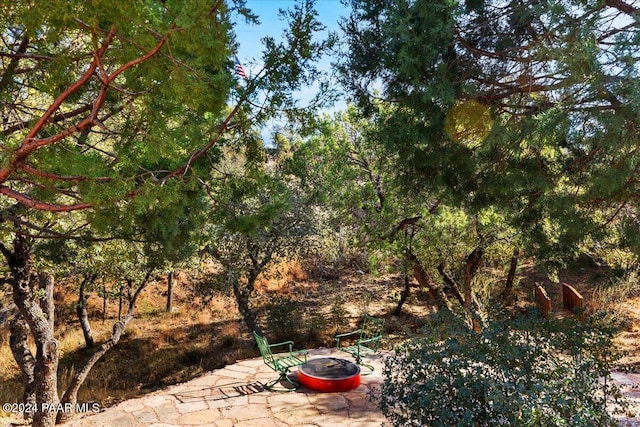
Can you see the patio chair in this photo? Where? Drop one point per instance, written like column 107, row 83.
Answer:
column 367, row 343
column 281, row 363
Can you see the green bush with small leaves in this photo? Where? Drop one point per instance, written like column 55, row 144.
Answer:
column 529, row 371
column 285, row 320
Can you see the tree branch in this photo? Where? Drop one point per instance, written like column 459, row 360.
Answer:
column 54, row 119
column 622, row 6
column 30, row 142
column 11, row 68
column 39, row 205
column 5, row 252
column 55, row 177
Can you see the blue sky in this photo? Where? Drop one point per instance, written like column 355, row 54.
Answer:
column 249, row 36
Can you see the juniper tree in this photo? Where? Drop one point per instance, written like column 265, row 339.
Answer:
column 108, row 109
column 529, row 108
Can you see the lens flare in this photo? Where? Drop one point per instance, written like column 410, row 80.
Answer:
column 468, row 123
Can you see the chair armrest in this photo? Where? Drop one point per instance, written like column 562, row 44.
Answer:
column 302, row 353
column 348, row 334
column 362, row 341
column 279, row 344
column 337, row 337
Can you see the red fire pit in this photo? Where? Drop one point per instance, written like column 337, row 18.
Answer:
column 329, row 374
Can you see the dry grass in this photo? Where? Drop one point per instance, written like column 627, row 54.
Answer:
column 281, row 277
column 157, row 349
column 161, row 348
column 615, row 292
column 602, row 289
column 10, row 381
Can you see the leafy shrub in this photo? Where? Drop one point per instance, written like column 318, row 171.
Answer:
column 338, row 311
column 284, row 319
column 523, row 372
column 287, row 320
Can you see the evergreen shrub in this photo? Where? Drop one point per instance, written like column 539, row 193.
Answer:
column 529, row 371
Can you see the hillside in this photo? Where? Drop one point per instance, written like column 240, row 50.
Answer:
column 160, row 348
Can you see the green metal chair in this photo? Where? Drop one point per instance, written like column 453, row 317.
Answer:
column 281, row 363
column 368, row 342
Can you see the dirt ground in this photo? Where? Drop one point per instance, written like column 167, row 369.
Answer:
column 591, row 283
column 197, row 336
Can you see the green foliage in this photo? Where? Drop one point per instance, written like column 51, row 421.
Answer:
column 130, row 148
column 518, row 372
column 372, row 210
column 285, row 319
column 354, row 177
column 559, row 151
column 255, row 218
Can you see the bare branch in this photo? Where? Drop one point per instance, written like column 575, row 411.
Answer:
column 622, row 6
column 57, row 118
column 52, row 176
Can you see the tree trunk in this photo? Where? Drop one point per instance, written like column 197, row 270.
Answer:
column 243, row 299
column 45, row 373
column 451, row 284
column 24, row 359
column 472, row 306
column 403, row 297
column 46, row 361
column 120, row 300
column 71, row 394
column 169, row 292
column 104, row 302
column 46, row 282
column 468, row 301
column 423, row 278
column 512, row 274
column 81, row 310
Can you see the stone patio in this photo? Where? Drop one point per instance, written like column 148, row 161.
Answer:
column 234, row 397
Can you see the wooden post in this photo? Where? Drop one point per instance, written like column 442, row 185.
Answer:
column 571, row 298
column 543, row 300
column 169, row 291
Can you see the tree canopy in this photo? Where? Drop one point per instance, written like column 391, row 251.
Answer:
column 99, row 99
column 114, row 116
column 521, row 105
column 474, row 125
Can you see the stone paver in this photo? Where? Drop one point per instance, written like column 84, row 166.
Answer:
column 233, row 397
column 193, row 406
column 145, row 416
column 206, row 417
column 168, row 412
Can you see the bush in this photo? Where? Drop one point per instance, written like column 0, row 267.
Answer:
column 525, row 372
column 286, row 320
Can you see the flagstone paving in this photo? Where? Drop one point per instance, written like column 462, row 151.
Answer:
column 629, row 384
column 234, row 397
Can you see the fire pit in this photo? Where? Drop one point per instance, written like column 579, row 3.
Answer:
column 329, row 374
